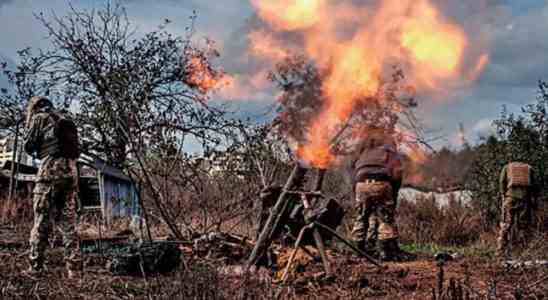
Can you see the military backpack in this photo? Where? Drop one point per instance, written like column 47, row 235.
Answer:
column 374, row 164
column 60, row 138
column 519, row 175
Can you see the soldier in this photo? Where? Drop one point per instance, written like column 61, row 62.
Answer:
column 377, row 179
column 52, row 137
column 519, row 191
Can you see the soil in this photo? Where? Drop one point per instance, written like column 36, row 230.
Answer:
column 353, row 278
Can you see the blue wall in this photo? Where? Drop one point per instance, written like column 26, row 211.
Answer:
column 121, row 196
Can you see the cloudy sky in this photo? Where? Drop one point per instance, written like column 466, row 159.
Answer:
column 516, row 31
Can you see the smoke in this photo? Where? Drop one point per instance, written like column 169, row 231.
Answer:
column 264, row 39
column 477, row 19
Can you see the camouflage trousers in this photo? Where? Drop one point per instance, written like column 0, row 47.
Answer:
column 513, row 210
column 376, row 209
column 54, row 201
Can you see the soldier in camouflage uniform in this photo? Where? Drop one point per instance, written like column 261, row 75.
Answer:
column 377, row 179
column 519, row 191
column 54, row 192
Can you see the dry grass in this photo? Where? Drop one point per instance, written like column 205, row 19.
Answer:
column 15, row 211
column 425, row 222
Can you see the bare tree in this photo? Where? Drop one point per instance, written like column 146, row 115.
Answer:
column 140, row 99
column 392, row 106
column 116, row 78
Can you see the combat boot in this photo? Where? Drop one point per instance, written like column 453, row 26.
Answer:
column 371, row 248
column 74, row 269
column 74, row 274
column 360, row 244
column 390, row 251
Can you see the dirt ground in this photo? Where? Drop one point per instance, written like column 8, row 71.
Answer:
column 353, row 278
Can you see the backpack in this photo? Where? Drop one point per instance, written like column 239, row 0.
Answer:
column 374, row 164
column 62, row 138
column 519, row 175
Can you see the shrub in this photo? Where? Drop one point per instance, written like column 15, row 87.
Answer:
column 425, row 222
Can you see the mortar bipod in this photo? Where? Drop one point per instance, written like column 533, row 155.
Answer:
column 314, row 226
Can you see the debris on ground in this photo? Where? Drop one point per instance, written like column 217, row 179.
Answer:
column 525, row 263
column 145, row 258
column 446, row 256
column 232, row 249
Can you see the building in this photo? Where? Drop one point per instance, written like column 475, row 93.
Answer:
column 102, row 187
column 24, row 169
column 108, row 189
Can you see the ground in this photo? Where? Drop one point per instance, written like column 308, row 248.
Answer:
column 354, row 278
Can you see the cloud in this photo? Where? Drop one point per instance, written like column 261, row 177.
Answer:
column 483, row 128
column 514, row 31
column 519, row 51
column 20, row 28
column 5, row 2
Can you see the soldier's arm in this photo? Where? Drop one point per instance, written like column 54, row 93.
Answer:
column 535, row 188
column 33, row 137
column 502, row 181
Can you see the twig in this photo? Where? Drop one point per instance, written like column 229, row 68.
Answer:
column 545, row 278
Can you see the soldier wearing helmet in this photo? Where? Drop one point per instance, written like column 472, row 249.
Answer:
column 54, row 193
column 377, row 177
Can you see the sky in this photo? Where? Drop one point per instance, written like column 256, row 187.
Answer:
column 516, row 32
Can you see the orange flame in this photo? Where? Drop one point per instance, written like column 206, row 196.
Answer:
column 201, row 75
column 480, row 65
column 290, row 14
column 412, row 33
column 434, row 43
column 417, row 155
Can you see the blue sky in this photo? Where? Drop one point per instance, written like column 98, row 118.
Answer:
column 517, row 31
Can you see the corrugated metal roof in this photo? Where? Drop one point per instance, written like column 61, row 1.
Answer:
column 102, row 166
column 19, row 177
column 95, row 163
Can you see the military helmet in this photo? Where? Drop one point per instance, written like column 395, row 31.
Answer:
column 36, row 103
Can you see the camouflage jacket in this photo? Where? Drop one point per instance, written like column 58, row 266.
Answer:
column 529, row 193
column 51, row 169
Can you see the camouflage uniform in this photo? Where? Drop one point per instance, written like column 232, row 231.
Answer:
column 517, row 204
column 54, row 197
column 377, row 180
column 376, row 213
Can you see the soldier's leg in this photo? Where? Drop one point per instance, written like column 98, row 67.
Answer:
column 361, row 221
column 39, row 233
column 373, row 233
column 67, row 224
column 506, row 223
column 360, row 227
column 388, row 229
column 389, row 234
column 525, row 219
